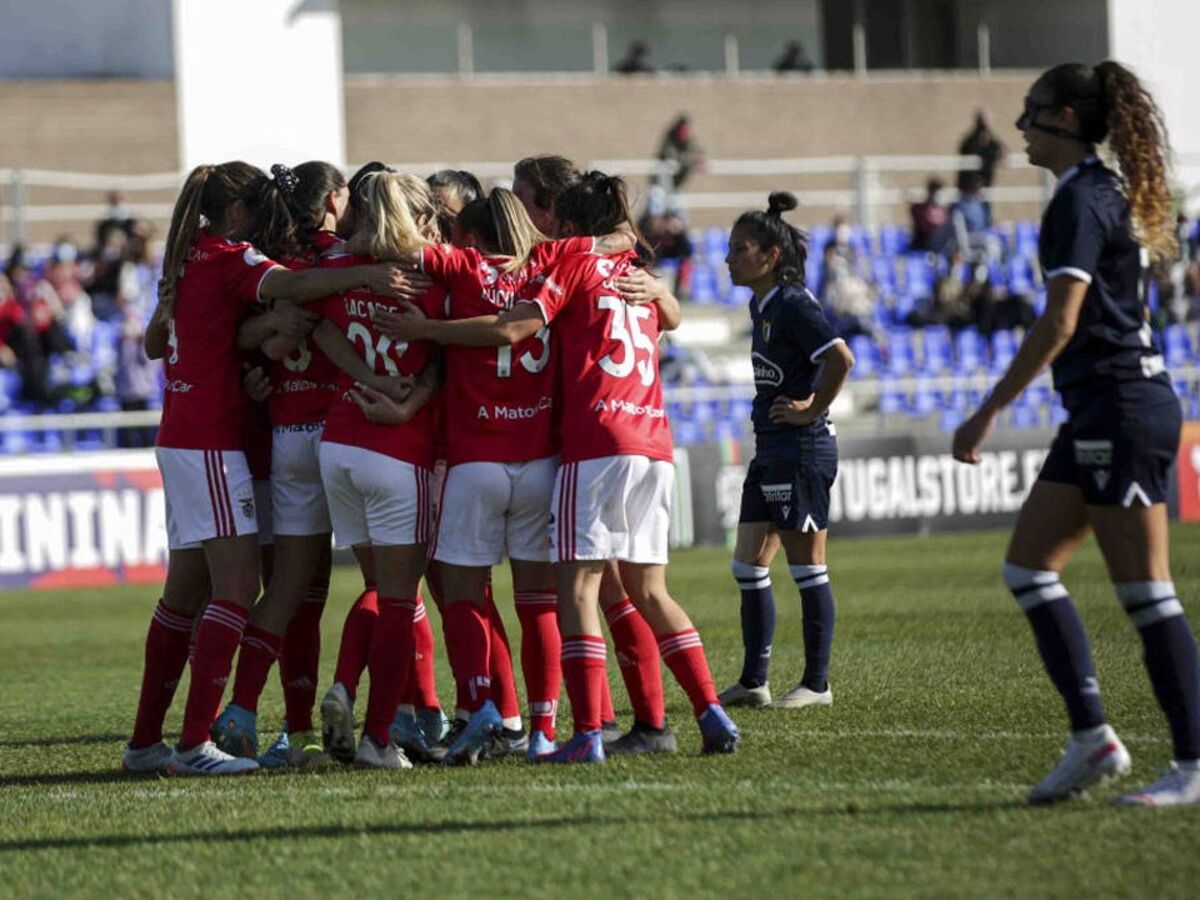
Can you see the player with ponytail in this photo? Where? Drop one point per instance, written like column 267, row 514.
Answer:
column 1108, row 468
column 800, row 366
column 211, row 278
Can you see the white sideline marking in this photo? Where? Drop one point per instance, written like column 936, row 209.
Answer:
column 952, row 735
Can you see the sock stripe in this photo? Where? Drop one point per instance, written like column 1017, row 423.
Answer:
column 259, row 644
column 619, row 611
column 172, row 621
column 750, row 584
column 812, row 582
column 684, row 640
column 222, row 615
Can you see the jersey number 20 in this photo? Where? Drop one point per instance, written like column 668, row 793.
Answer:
column 382, row 348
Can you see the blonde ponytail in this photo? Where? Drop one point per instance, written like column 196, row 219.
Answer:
column 516, row 235
column 401, row 213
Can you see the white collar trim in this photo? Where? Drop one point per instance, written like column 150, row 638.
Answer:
column 766, row 298
column 1074, row 170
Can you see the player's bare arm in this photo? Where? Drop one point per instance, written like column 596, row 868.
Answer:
column 1046, row 339
column 640, row 287
column 278, row 331
column 305, row 285
column 510, row 327
column 838, row 361
column 158, row 333
column 335, row 345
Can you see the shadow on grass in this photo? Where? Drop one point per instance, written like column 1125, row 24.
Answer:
column 387, row 829
column 64, row 741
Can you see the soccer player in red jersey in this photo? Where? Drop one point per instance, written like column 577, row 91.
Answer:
column 377, row 476
column 211, row 279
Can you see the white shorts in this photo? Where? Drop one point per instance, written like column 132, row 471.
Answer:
column 297, row 495
column 209, row 494
column 615, row 507
column 264, row 513
column 489, row 508
column 373, row 498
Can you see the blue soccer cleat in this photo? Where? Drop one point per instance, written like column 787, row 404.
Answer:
column 539, row 745
column 585, row 747
column 407, row 735
column 278, row 754
column 236, row 732
column 433, row 724
column 483, row 724
column 717, row 730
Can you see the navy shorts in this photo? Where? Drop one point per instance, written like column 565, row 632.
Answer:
column 791, row 489
column 1119, row 444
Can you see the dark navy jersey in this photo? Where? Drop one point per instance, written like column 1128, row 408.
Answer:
column 1086, row 234
column 790, row 335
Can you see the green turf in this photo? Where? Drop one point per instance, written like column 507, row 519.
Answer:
column 911, row 784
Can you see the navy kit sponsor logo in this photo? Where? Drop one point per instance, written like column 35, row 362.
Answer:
column 777, row 493
column 1093, row 453
column 765, row 371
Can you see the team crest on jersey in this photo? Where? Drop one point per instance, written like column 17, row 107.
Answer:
column 253, row 257
column 247, row 504
column 1101, row 477
column 765, row 371
column 489, row 274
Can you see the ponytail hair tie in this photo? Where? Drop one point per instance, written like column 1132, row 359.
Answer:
column 285, row 179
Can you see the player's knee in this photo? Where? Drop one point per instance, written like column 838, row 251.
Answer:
column 1148, row 602
column 750, row 577
column 1032, row 587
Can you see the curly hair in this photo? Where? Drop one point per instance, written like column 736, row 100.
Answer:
column 1110, row 103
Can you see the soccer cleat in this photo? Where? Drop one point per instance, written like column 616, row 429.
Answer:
column 643, row 738
column 506, row 742
column 433, row 724
column 155, row 758
column 539, row 745
column 800, row 697
column 372, row 756
column 305, row 751
column 472, row 739
column 406, row 734
column 1178, row 786
column 208, row 759
column 337, row 723
column 278, row 754
column 1088, row 759
column 236, row 732
column 717, row 731
column 737, row 694
column 585, row 747
column 610, row 731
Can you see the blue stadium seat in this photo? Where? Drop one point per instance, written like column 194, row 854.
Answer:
column 918, row 275
column 704, row 284
column 892, row 401
column 1177, row 346
column 686, row 433
column 936, row 355
column 866, row 356
column 969, row 355
column 901, row 358
column 1004, row 348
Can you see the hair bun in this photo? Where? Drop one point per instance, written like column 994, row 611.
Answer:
column 780, row 202
column 285, row 179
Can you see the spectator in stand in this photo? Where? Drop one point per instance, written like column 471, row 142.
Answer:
column 106, row 270
column 848, row 298
column 679, row 146
column 136, row 378
column 12, row 326
column 971, row 220
column 929, row 218
column 636, row 61
column 794, row 59
column 950, row 303
column 665, row 230
column 116, row 215
column 993, row 307
column 137, row 282
column 980, row 141
column 63, row 275
column 35, row 329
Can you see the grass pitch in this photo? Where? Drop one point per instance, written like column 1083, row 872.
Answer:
column 911, row 784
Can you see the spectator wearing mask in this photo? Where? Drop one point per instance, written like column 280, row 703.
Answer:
column 679, row 146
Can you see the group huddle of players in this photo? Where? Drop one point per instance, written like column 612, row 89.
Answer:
column 397, row 327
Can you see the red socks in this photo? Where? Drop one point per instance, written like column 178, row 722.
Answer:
column 299, row 664
column 684, row 655
column 420, row 688
column 583, row 663
column 541, row 656
column 390, row 661
column 637, row 655
column 259, row 651
column 504, row 682
column 217, row 640
column 468, row 641
column 167, row 642
column 607, row 713
column 356, row 641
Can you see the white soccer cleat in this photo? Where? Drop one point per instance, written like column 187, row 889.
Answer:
column 800, row 697
column 208, row 759
column 337, row 723
column 372, row 756
column 1178, row 786
column 155, row 758
column 737, row 694
column 1089, row 758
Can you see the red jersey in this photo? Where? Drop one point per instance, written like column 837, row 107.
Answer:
column 607, row 361
column 305, row 382
column 344, row 421
column 498, row 403
column 204, row 407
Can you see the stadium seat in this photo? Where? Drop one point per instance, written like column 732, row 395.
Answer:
column 1004, row 348
column 900, row 356
column 969, row 354
column 936, row 350
column 866, row 356
column 1177, row 346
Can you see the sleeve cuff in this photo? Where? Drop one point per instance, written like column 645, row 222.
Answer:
column 821, row 350
column 541, row 308
column 1071, row 272
column 258, row 290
